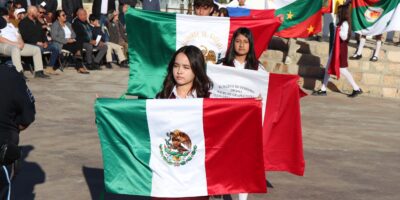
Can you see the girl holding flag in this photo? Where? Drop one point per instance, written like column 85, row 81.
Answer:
column 345, row 33
column 241, row 55
column 186, row 78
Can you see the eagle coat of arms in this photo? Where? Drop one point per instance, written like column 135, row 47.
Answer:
column 178, row 149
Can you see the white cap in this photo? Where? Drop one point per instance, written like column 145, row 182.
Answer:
column 43, row 4
column 18, row 11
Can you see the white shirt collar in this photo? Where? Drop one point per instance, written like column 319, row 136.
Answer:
column 238, row 64
column 189, row 96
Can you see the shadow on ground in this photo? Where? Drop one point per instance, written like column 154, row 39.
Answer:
column 29, row 175
column 95, row 180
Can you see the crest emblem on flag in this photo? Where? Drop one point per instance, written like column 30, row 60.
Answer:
column 372, row 14
column 177, row 149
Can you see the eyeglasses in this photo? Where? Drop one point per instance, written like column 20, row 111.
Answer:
column 63, row 15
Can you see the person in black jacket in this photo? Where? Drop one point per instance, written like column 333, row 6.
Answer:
column 70, row 7
column 32, row 33
column 101, row 10
column 17, row 112
column 50, row 6
column 84, row 34
column 24, row 3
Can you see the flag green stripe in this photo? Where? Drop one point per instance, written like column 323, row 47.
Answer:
column 125, row 141
column 359, row 21
column 301, row 10
column 147, row 65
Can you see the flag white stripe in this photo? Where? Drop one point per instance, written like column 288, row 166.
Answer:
column 382, row 26
column 231, row 82
column 191, row 176
column 276, row 4
column 210, row 34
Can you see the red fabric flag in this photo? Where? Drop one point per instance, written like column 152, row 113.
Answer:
column 334, row 64
column 327, row 6
column 282, row 134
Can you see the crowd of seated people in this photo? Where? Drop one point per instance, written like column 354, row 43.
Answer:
column 41, row 39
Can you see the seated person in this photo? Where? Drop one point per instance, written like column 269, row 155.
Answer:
column 64, row 36
column 117, row 31
column 112, row 47
column 11, row 44
column 32, row 33
column 83, row 32
column 19, row 14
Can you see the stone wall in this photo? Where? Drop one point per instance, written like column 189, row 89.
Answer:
column 380, row 79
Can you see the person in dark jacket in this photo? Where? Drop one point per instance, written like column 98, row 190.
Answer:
column 153, row 5
column 84, row 34
column 101, row 9
column 70, row 7
column 50, row 6
column 32, row 33
column 17, row 112
column 25, row 4
column 112, row 47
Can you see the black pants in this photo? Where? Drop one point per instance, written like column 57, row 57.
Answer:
column 73, row 48
column 5, row 181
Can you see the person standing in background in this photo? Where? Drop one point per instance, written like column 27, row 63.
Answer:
column 70, row 7
column 153, row 5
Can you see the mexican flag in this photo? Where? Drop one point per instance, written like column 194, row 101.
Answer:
column 374, row 17
column 181, row 147
column 154, row 36
column 302, row 18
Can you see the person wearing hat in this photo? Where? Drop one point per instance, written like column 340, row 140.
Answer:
column 19, row 14
column 17, row 112
column 11, row 44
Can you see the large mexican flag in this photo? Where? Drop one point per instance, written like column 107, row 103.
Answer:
column 181, row 148
column 154, row 36
column 374, row 17
column 302, row 18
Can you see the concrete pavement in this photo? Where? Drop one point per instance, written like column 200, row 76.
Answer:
column 351, row 146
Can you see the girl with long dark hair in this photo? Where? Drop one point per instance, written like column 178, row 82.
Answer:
column 186, row 76
column 345, row 33
column 241, row 52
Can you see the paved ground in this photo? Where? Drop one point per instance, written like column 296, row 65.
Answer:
column 351, row 146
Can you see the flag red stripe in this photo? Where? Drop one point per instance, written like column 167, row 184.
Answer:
column 232, row 166
column 362, row 3
column 300, row 30
column 262, row 28
column 282, row 134
column 334, row 65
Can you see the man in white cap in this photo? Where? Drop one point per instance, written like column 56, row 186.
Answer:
column 11, row 44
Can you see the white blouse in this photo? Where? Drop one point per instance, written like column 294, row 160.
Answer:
column 67, row 32
column 243, row 65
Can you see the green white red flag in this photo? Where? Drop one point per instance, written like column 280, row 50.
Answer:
column 153, row 38
column 181, row 147
column 374, row 17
